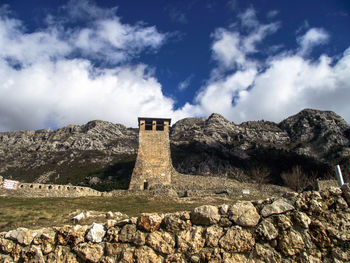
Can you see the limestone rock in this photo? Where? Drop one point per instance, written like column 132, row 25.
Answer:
column 205, row 215
column 89, row 251
column 146, row 254
column 212, row 235
column 96, row 233
column 237, row 240
column 319, row 235
column 161, row 242
column 267, row 230
column 35, row 255
column 21, row 235
column 233, row 257
column 149, row 222
column 302, row 219
column 176, row 222
column 284, row 222
column 244, row 213
column 267, row 254
column 175, row 258
column 277, row 207
column 6, row 246
column 139, row 238
column 191, row 240
column 346, row 192
column 127, row 233
column 291, row 243
column 115, row 249
column 62, row 254
column 112, row 234
column 71, row 235
column 127, row 256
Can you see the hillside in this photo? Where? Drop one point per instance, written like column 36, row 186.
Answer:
column 102, row 154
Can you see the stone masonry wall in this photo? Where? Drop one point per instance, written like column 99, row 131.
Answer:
column 153, row 162
column 49, row 190
column 307, row 227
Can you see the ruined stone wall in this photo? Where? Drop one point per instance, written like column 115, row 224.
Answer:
column 153, row 162
column 307, row 227
column 49, row 190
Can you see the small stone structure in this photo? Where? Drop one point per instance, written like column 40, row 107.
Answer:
column 49, row 190
column 153, row 163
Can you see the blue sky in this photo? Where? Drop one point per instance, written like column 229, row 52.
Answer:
column 69, row 62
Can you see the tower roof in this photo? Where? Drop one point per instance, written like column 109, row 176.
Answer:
column 154, row 119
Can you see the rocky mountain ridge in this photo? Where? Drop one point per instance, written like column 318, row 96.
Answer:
column 101, row 152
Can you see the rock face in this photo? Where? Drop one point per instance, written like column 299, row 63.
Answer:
column 217, row 146
column 315, row 227
column 102, row 154
column 69, row 154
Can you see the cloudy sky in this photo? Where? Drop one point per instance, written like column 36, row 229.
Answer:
column 69, row 62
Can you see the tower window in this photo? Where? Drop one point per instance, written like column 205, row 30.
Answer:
column 160, row 125
column 145, row 185
column 148, row 126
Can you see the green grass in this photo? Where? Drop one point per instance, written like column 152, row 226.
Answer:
column 43, row 212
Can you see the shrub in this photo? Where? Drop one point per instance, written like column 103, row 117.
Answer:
column 297, row 180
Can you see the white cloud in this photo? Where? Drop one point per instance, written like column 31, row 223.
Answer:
column 226, row 48
column 72, row 91
column 312, row 38
column 47, row 77
column 248, row 18
column 271, row 14
column 288, row 83
column 232, row 49
column 184, row 84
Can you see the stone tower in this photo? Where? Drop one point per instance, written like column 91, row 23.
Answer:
column 153, row 162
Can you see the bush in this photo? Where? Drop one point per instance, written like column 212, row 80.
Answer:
column 261, row 175
column 297, row 180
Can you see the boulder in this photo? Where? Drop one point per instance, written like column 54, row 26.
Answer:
column 161, row 242
column 291, row 243
column 277, row 207
column 205, row 215
column 302, row 219
column 267, row 230
column 176, row 222
column 190, row 240
column 346, row 192
column 127, row 233
column 96, row 233
column 89, row 251
column 146, row 254
column 149, row 222
column 237, row 239
column 213, row 235
column 244, row 213
column 21, row 235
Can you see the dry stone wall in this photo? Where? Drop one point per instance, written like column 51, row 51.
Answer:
column 49, row 190
column 307, row 227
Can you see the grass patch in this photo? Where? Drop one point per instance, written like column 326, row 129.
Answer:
column 44, row 212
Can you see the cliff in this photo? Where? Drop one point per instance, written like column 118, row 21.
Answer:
column 102, row 154
column 307, row 227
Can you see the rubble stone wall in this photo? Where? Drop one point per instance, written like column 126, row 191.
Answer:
column 307, row 227
column 49, row 190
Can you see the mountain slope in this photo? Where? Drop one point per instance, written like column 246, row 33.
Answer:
column 102, row 154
